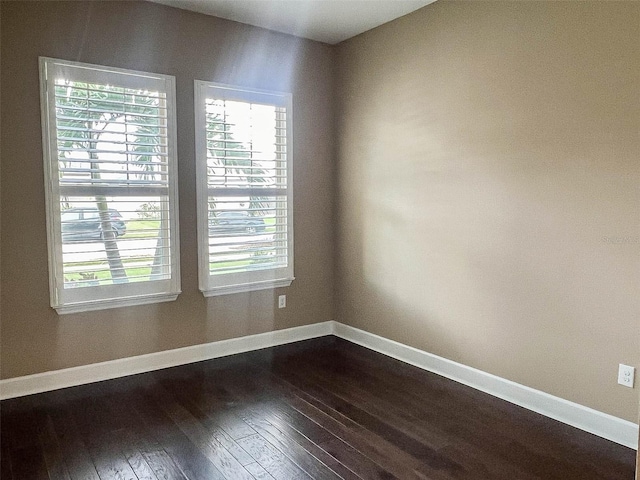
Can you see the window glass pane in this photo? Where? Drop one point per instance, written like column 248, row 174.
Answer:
column 112, row 136
column 246, row 148
column 246, row 144
column 247, row 234
column 139, row 250
column 108, row 135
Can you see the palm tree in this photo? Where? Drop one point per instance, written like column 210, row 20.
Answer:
column 236, row 158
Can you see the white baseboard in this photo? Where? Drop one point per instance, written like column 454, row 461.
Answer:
column 95, row 372
column 600, row 424
column 587, row 419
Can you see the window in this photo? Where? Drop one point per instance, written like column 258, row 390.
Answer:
column 111, row 186
column 245, row 223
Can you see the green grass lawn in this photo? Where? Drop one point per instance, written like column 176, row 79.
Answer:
column 135, row 272
column 270, row 225
column 142, row 228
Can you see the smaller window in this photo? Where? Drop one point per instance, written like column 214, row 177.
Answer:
column 111, row 186
column 244, row 180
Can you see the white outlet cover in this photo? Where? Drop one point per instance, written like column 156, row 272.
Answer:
column 282, row 301
column 625, row 375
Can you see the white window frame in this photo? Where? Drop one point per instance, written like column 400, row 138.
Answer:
column 73, row 300
column 236, row 282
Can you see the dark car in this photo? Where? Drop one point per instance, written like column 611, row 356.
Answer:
column 83, row 223
column 235, row 222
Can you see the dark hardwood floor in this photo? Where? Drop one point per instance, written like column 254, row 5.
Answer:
column 320, row 409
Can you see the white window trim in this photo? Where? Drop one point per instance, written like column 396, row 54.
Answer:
column 106, row 296
column 224, row 284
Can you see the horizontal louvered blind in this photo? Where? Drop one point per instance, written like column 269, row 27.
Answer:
column 246, row 164
column 111, row 168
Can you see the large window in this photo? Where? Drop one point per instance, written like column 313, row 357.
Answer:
column 111, row 185
column 245, row 227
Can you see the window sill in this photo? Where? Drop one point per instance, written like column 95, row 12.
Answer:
column 115, row 303
column 247, row 287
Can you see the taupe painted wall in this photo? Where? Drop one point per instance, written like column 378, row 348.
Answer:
column 489, row 190
column 155, row 38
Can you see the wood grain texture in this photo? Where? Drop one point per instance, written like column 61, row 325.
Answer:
column 321, row 409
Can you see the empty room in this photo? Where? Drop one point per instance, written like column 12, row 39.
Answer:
column 319, row 239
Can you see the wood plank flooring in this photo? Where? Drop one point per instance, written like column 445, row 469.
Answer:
column 319, row 409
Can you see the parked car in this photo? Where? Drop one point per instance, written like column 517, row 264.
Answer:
column 230, row 222
column 83, row 223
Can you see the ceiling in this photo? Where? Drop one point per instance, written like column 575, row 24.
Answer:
column 329, row 21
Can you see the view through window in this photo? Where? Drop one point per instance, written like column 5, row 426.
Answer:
column 244, row 179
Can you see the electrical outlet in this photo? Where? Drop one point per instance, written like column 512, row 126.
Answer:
column 282, row 301
column 625, row 375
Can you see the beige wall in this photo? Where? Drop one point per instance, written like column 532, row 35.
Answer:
column 155, row 38
column 488, row 165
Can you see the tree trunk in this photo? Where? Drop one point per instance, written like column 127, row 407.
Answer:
column 118, row 273
column 157, row 269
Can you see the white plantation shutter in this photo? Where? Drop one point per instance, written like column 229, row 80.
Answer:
column 109, row 138
column 245, row 226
